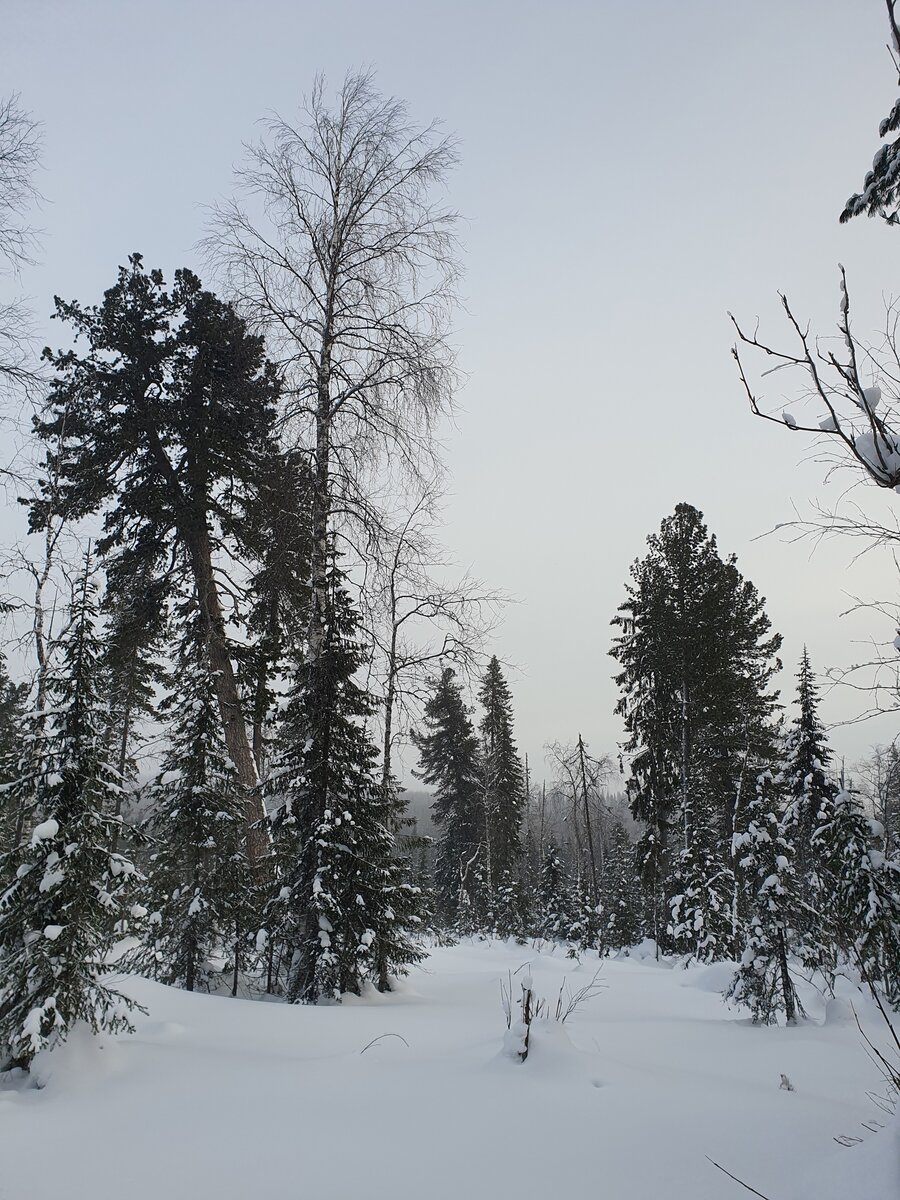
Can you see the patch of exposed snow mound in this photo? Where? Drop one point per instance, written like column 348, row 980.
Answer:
column 714, row 977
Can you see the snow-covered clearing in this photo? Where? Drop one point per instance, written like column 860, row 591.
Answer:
column 229, row 1099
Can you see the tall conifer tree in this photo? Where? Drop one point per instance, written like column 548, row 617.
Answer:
column 161, row 425
column 345, row 910
column 697, row 657
column 809, row 791
column 502, row 782
column 448, row 752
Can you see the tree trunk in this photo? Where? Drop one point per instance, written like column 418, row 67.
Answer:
column 40, row 647
column 260, row 689
column 685, row 807
column 233, row 725
column 595, row 889
column 389, row 699
column 124, row 735
column 787, row 984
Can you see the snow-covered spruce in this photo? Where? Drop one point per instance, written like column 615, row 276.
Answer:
column 702, row 925
column 502, row 790
column 201, row 888
column 64, row 895
column 448, row 753
column 556, row 903
column 764, row 856
column 861, row 893
column 809, row 796
column 345, row 910
column 622, row 916
column 507, row 917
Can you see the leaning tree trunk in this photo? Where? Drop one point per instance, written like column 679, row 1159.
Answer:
column 194, row 532
column 233, row 725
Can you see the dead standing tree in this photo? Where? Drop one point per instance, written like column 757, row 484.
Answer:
column 349, row 266
column 580, row 777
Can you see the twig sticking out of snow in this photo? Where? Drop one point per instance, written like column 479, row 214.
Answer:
column 381, row 1038
column 735, row 1178
column 568, row 1002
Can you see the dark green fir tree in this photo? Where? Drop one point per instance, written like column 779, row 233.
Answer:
column 159, row 422
column 448, row 754
column 696, row 656
column 809, row 791
column 345, row 909
column 502, row 784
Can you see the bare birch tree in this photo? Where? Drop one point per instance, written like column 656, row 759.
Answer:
column 337, row 248
column 20, row 143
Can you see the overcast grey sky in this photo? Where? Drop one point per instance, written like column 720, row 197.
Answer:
column 630, row 170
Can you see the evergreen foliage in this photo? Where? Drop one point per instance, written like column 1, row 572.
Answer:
column 696, row 657
column 134, row 606
column 163, row 426
column 862, row 900
column 345, row 909
column 199, row 878
column 502, row 780
column 63, row 889
column 275, row 535
column 13, row 699
column 589, row 922
column 623, row 892
column 763, row 981
column 507, row 915
column 881, row 188
column 448, row 753
column 702, row 924
column 555, row 900
column 809, row 791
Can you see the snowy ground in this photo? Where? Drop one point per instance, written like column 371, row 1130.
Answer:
column 228, row 1099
